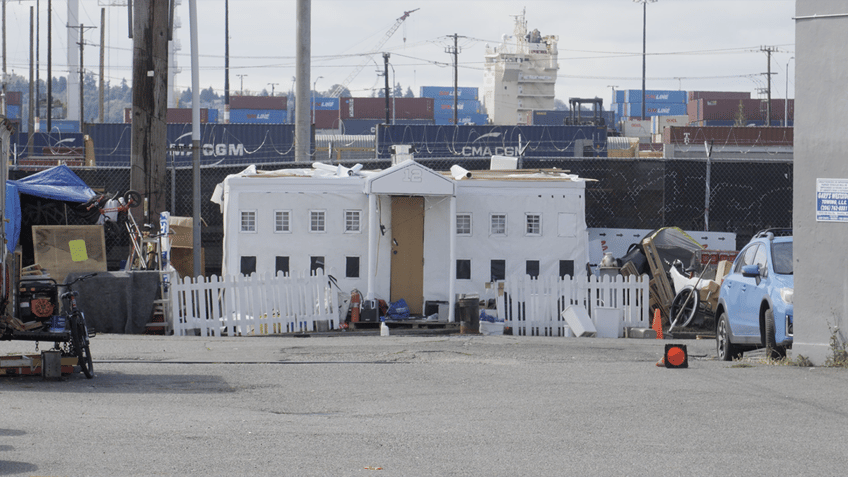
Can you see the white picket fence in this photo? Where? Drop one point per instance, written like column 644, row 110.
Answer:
column 533, row 307
column 260, row 304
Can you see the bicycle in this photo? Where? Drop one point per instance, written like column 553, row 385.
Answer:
column 75, row 322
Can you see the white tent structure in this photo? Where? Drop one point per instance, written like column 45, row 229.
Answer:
column 407, row 231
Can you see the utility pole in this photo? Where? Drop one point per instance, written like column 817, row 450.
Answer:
column 302, row 127
column 81, row 75
column 49, row 65
column 386, row 73
column 768, row 50
column 148, row 174
column 31, row 122
column 241, row 88
column 455, row 52
column 272, row 87
column 3, row 91
column 101, row 94
column 226, row 61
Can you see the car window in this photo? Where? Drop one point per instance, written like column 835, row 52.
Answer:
column 781, row 254
column 761, row 261
column 746, row 257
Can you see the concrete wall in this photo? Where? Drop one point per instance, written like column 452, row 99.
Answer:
column 821, row 261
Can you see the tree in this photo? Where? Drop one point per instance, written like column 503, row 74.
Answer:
column 740, row 115
column 408, row 93
column 397, row 91
column 208, row 95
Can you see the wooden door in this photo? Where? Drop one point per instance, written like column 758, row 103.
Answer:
column 407, row 279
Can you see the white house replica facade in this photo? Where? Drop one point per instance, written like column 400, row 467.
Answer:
column 407, row 231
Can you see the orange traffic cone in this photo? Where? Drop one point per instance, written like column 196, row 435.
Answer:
column 657, row 326
column 661, row 362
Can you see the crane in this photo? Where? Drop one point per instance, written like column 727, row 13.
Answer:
column 338, row 91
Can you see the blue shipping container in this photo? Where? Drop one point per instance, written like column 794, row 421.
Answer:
column 445, row 106
column 484, row 141
column 325, row 104
column 558, row 117
column 59, row 125
column 212, row 116
column 463, row 118
column 369, row 126
column 657, row 96
column 258, row 116
column 656, row 109
column 442, row 92
column 13, row 111
column 620, row 96
column 40, row 140
column 220, row 143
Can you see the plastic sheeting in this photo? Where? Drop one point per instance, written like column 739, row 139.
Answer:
column 57, row 183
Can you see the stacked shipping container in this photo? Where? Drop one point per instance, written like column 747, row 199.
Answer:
column 468, row 108
column 258, row 109
column 713, row 111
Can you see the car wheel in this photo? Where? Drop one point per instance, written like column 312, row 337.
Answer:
column 724, row 348
column 772, row 349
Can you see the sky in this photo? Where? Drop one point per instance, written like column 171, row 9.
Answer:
column 692, row 45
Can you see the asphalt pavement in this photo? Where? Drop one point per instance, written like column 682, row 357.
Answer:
column 350, row 404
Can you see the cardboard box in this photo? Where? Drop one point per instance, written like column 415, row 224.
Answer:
column 54, row 247
column 183, row 228
column 182, row 259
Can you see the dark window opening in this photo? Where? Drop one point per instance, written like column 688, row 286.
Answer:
column 532, row 268
column 282, row 265
column 352, row 267
column 248, row 265
column 566, row 267
column 315, row 263
column 498, row 270
column 463, row 269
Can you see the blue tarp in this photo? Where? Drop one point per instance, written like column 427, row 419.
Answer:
column 57, row 183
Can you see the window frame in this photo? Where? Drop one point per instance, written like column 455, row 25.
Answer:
column 288, row 214
column 323, row 221
column 242, row 214
column 492, row 232
column 456, row 269
column 527, row 224
column 358, row 213
column 470, row 224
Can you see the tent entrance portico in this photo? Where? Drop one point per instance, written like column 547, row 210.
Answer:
column 407, row 185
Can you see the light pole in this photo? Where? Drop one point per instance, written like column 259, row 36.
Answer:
column 644, row 23
column 786, row 103
column 314, row 84
column 272, row 87
column 241, row 87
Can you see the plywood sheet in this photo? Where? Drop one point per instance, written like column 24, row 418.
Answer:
column 53, row 249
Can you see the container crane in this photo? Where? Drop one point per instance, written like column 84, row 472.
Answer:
column 338, row 91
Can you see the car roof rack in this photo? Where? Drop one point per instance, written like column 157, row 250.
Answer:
column 777, row 232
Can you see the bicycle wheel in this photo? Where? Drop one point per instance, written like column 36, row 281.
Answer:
column 79, row 339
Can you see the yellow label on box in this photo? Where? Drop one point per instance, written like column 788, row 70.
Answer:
column 78, row 252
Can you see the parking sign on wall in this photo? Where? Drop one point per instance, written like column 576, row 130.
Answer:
column 832, row 200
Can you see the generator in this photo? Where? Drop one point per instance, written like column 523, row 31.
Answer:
column 38, row 299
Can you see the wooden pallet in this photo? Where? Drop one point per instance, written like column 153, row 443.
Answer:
column 662, row 293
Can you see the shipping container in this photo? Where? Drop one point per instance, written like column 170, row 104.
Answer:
column 325, row 104
column 744, row 110
column 718, row 95
column 463, row 118
column 732, row 136
column 13, row 97
column 481, row 142
column 445, row 106
column 257, row 102
column 359, row 127
column 620, row 97
column 729, row 123
column 656, row 96
column 258, row 116
column 634, row 127
column 42, row 140
column 375, row 108
column 442, row 92
column 325, row 119
column 658, row 123
column 174, row 115
column 13, row 111
column 559, row 117
column 220, row 143
column 59, row 125
column 656, row 109
column 212, row 115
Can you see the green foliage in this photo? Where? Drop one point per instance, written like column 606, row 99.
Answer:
column 838, row 349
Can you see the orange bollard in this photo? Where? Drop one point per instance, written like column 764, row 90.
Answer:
column 657, row 326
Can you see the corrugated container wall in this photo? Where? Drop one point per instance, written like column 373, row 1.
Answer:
column 656, row 109
column 462, row 118
column 438, row 92
column 14, row 97
column 558, row 117
column 729, row 109
column 733, row 136
column 60, row 125
column 620, row 97
column 324, row 104
column 175, row 115
column 719, row 95
column 375, row 108
column 445, row 106
column 364, row 127
column 258, row 102
column 636, row 128
column 326, row 119
column 656, row 96
column 658, row 123
column 258, row 116
column 13, row 111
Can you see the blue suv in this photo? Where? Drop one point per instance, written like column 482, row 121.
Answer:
column 755, row 300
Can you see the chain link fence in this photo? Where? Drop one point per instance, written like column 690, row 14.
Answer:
column 740, row 197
